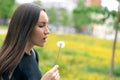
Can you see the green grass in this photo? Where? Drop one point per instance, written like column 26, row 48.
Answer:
column 3, row 27
column 83, row 58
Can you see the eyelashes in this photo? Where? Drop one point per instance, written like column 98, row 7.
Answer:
column 42, row 24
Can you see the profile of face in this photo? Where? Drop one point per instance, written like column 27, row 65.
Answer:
column 40, row 32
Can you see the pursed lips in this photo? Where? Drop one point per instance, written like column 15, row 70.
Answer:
column 45, row 38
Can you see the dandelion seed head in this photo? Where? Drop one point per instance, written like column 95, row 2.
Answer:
column 61, row 44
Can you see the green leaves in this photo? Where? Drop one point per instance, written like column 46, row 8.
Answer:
column 6, row 7
column 86, row 15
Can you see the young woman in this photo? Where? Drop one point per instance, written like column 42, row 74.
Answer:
column 18, row 59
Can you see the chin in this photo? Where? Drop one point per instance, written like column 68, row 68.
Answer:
column 41, row 45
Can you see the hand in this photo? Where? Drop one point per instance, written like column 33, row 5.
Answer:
column 52, row 74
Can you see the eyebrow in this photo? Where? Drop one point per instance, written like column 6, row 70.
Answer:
column 42, row 22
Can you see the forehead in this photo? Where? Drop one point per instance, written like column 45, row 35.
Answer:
column 43, row 17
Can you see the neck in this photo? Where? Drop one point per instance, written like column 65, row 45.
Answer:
column 28, row 48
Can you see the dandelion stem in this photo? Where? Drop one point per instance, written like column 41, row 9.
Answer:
column 58, row 54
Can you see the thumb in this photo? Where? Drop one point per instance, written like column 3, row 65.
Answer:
column 55, row 68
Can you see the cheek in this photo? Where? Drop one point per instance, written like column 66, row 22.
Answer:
column 36, row 34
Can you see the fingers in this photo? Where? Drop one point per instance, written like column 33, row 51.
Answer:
column 55, row 68
column 52, row 74
column 55, row 73
column 55, row 76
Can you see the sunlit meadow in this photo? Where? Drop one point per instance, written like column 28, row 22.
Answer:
column 82, row 58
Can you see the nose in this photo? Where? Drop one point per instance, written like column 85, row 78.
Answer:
column 47, row 31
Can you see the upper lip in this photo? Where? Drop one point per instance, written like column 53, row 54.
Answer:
column 45, row 37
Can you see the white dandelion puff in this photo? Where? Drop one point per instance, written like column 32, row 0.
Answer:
column 61, row 44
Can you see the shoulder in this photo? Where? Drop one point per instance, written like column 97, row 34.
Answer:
column 35, row 55
column 28, row 68
column 27, row 61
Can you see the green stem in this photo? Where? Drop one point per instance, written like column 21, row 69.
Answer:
column 58, row 55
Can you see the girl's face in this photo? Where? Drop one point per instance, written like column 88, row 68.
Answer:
column 39, row 33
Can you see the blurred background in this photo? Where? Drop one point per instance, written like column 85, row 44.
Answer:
column 90, row 30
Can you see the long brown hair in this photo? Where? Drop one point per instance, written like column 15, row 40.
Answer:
column 22, row 22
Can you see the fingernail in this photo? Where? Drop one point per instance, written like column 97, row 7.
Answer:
column 57, row 66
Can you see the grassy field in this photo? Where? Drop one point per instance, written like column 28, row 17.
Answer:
column 3, row 27
column 83, row 57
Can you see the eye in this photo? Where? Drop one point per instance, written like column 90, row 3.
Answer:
column 41, row 25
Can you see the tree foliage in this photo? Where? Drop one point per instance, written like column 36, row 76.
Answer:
column 58, row 16
column 82, row 14
column 37, row 2
column 64, row 17
column 52, row 15
column 6, row 7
